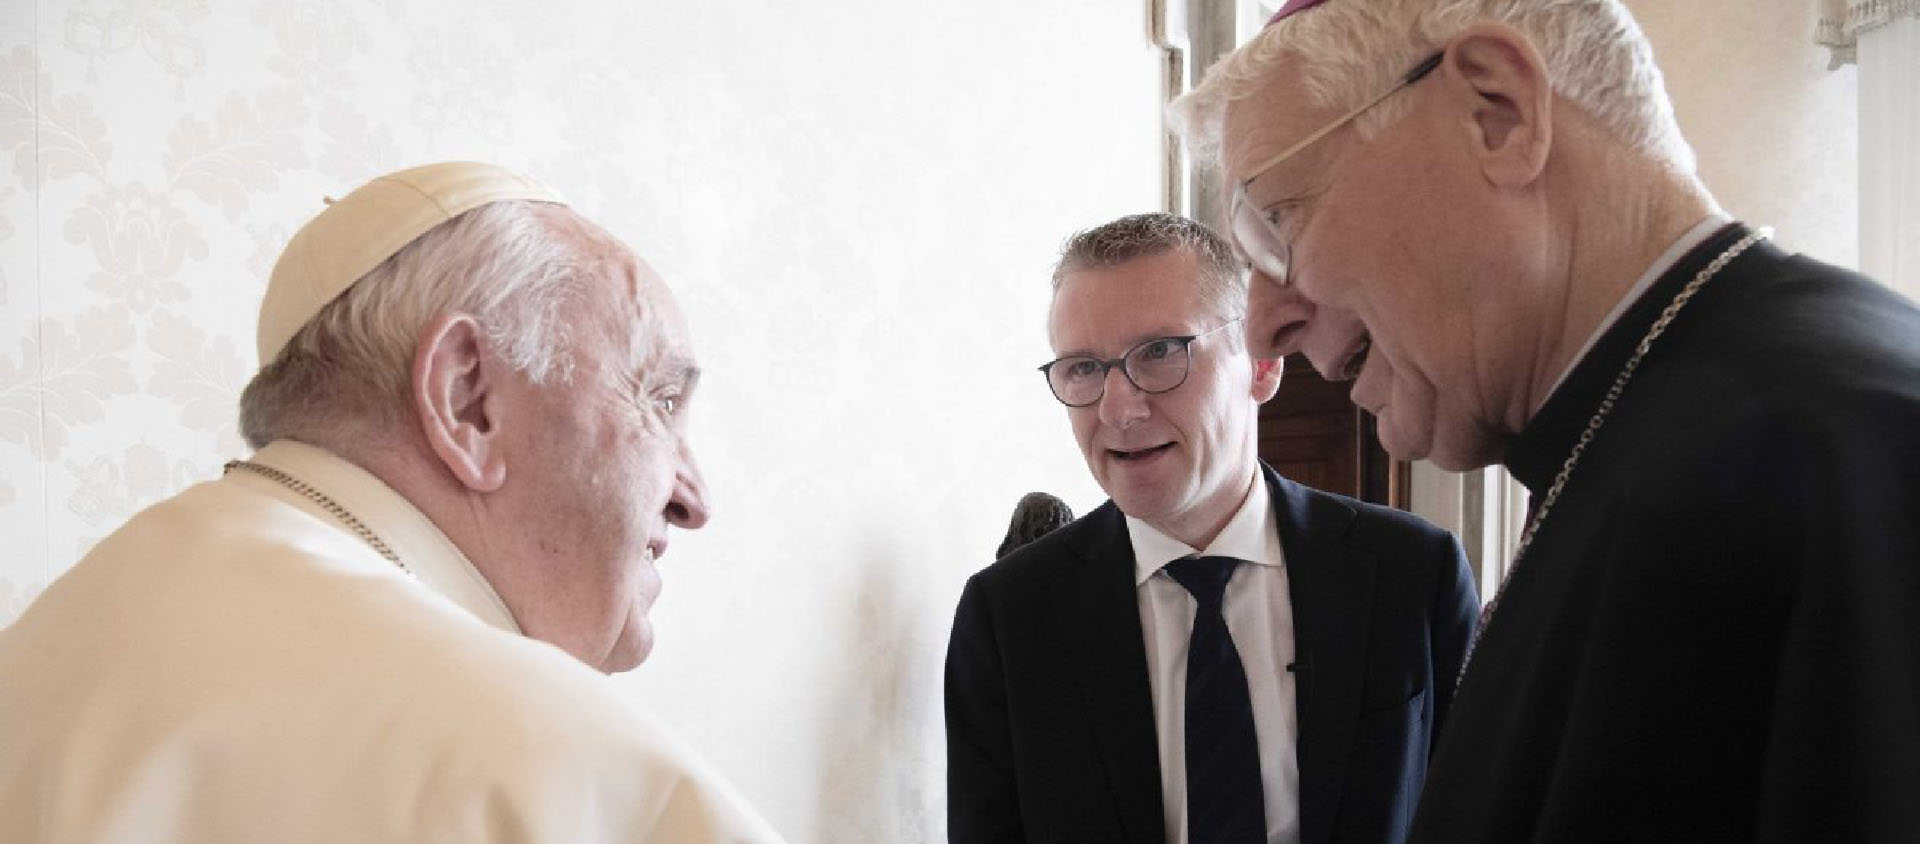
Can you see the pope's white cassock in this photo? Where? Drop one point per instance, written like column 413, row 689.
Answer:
column 236, row 665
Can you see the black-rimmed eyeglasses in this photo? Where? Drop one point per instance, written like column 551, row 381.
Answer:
column 1152, row 366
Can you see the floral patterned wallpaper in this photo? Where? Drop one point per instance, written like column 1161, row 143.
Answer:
column 133, row 233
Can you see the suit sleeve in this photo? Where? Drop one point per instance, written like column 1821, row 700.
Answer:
column 982, row 800
column 1454, row 614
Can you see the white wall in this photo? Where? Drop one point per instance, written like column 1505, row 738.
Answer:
column 857, row 202
column 1775, row 131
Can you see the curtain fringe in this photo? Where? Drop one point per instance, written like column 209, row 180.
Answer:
column 1841, row 33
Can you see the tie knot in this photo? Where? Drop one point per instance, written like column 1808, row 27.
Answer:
column 1205, row 577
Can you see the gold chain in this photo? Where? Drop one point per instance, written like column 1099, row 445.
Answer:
column 1658, row 328
column 328, row 504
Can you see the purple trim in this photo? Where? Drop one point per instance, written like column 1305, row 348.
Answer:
column 1293, row 7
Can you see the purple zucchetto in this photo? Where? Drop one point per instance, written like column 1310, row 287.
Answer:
column 1293, row 7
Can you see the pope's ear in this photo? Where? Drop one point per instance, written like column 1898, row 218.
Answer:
column 1501, row 83
column 1266, row 377
column 456, row 392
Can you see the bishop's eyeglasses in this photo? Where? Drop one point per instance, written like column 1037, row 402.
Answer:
column 1254, row 231
column 1152, row 366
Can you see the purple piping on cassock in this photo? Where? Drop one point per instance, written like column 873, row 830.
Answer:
column 1293, row 7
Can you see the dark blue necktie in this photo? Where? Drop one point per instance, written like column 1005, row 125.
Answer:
column 1224, row 804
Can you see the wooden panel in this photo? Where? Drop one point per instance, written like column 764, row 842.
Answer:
column 1313, row 434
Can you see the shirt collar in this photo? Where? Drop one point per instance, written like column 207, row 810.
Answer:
column 1253, row 534
column 1687, row 242
column 433, row 558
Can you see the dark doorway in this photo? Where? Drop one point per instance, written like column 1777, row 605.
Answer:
column 1313, row 434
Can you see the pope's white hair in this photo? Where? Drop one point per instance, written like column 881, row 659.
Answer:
column 1347, row 50
column 507, row 264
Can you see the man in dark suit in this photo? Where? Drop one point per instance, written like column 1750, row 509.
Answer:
column 1485, row 213
column 1216, row 654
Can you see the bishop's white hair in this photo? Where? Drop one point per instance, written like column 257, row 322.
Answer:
column 1596, row 55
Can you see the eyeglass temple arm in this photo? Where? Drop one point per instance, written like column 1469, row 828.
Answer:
column 1418, row 73
column 1214, row 329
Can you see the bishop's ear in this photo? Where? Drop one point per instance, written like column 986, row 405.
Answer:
column 1503, row 84
column 457, row 390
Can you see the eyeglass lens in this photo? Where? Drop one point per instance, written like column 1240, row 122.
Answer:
column 1154, row 366
column 1257, row 239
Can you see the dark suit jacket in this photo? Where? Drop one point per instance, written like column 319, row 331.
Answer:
column 1050, row 733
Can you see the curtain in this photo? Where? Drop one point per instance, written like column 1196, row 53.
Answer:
column 1882, row 37
column 1843, row 21
column 1889, row 59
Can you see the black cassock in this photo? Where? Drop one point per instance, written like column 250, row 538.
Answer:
column 1716, row 633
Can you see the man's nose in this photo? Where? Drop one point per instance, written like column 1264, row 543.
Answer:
column 1329, row 339
column 687, row 506
column 1123, row 404
column 1281, row 321
column 1276, row 317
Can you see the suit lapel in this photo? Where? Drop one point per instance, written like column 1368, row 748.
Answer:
column 1331, row 588
column 1100, row 618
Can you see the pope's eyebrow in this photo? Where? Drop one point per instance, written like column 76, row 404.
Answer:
column 680, row 372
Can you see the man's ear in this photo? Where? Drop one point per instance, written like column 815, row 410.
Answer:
column 1266, row 377
column 456, row 391
column 1509, row 99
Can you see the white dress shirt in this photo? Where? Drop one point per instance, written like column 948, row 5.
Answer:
column 1259, row 613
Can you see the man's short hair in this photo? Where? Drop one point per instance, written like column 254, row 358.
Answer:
column 1222, row 281
column 349, row 367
